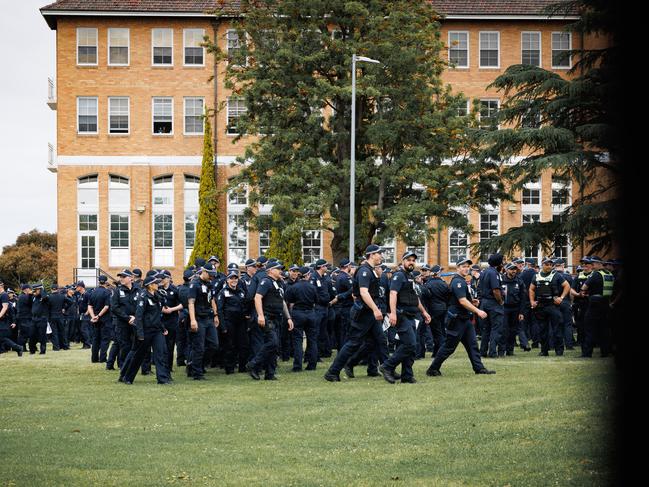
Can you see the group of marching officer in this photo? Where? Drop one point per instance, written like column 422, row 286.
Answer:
column 373, row 315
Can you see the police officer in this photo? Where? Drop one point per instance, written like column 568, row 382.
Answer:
column 203, row 321
column 580, row 302
column 218, row 280
column 57, row 305
column 83, row 299
column 404, row 304
column 566, row 305
column 7, row 323
column 366, row 316
column 149, row 332
column 182, row 343
column 100, row 319
column 344, row 299
column 322, row 306
column 514, row 295
column 72, row 316
column 491, row 301
column 171, row 307
column 302, row 298
column 422, row 329
column 458, row 325
column 231, row 303
column 26, row 333
column 122, row 308
column 137, row 278
column 547, row 291
column 255, row 335
column 40, row 313
column 530, row 325
column 599, row 289
column 439, row 294
column 270, row 307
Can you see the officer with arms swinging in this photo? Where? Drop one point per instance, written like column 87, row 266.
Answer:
column 404, row 305
column 599, row 289
column 547, row 291
column 458, row 325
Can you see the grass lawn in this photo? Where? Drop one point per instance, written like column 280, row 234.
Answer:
column 538, row 421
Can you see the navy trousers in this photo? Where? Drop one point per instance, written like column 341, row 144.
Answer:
column 405, row 352
column 203, row 344
column 266, row 356
column 459, row 330
column 304, row 324
column 364, row 328
column 550, row 321
column 152, row 339
column 492, row 328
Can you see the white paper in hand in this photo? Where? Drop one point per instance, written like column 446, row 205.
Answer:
column 49, row 329
column 417, row 324
column 386, row 323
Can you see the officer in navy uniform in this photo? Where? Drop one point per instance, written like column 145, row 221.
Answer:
column 366, row 316
column 27, row 331
column 218, row 280
column 547, row 291
column 56, row 303
column 122, row 308
column 255, row 335
column 285, row 337
column 72, row 316
column 203, row 323
column 423, row 332
column 149, row 333
column 344, row 299
column 530, row 326
column 322, row 306
column 183, row 320
column 270, row 307
column 302, row 298
column 404, row 307
column 171, row 306
column 7, row 323
column 566, row 306
column 439, row 294
column 40, row 313
column 83, row 299
column 491, row 301
column 580, row 302
column 599, row 289
column 137, row 278
column 514, row 294
column 13, row 314
column 459, row 328
column 99, row 310
column 231, row 304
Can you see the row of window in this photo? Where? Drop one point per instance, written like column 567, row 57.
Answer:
column 119, row 43
column 489, row 49
column 162, row 115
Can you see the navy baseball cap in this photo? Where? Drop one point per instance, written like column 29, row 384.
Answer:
column 436, row 269
column 125, row 273
column 233, row 273
column 262, row 259
column 37, row 286
column 274, row 265
column 344, row 262
column 466, row 260
column 595, row 258
column 518, row 261
column 547, row 260
column 475, row 267
column 425, row 267
column 187, row 274
column 10, row 291
column 407, row 254
column 137, row 272
column 250, row 263
column 209, row 268
column 234, row 266
column 78, row 284
column 102, row 278
column 199, row 262
column 559, row 262
column 510, row 266
column 373, row 249
column 320, row 263
column 151, row 280
column 214, row 258
column 27, row 286
column 530, row 260
column 294, row 268
column 304, row 270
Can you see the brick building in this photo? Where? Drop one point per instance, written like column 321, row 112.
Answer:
column 131, row 85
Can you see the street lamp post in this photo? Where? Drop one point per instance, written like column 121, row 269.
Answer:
column 352, row 170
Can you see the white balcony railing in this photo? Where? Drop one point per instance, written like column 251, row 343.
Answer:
column 51, row 158
column 51, row 94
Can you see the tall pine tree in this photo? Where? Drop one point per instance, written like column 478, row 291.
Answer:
column 293, row 71
column 209, row 240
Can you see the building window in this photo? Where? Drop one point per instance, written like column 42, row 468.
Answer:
column 88, row 247
column 488, row 114
column 458, row 49
column 87, row 208
column 163, row 116
column 119, row 231
column 194, row 116
column 234, row 45
column 162, row 41
column 194, row 51
column 561, row 242
column 489, row 227
column 560, row 194
column 86, row 46
column 118, row 43
column 421, row 254
column 87, row 115
column 163, row 192
column 87, row 223
column 532, row 252
column 489, row 49
column 458, row 246
column 88, row 194
column 531, row 48
column 236, row 108
column 311, row 246
column 192, row 185
column 238, row 196
column 463, row 109
column 263, row 225
column 237, row 239
column 561, row 47
column 163, row 231
column 532, row 194
column 390, row 251
column 190, row 232
column 118, row 115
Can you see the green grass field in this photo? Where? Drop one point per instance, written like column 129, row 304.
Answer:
column 538, row 421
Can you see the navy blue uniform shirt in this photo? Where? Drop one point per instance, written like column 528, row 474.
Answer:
column 489, row 280
column 302, row 295
column 201, row 292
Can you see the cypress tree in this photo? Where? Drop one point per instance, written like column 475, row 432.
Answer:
column 209, row 240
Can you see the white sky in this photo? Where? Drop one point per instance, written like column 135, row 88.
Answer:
column 27, row 59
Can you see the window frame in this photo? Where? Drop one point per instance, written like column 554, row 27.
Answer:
column 96, row 98
column 540, row 39
column 467, row 247
column 153, row 132
column 153, row 46
column 239, row 111
column 468, row 48
column 128, row 46
column 497, row 100
column 185, row 115
column 569, row 66
column 128, row 115
column 480, row 65
column 96, row 63
column 192, row 65
column 319, row 231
